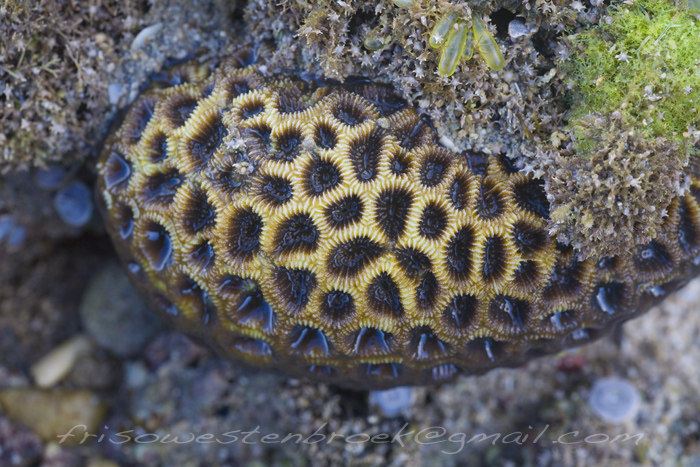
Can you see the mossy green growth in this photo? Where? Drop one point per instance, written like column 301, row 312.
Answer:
column 643, row 62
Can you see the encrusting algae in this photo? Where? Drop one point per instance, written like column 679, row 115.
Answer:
column 321, row 229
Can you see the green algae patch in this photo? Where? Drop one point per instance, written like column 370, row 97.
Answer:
column 643, row 61
column 633, row 88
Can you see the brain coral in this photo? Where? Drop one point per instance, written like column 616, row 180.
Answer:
column 320, row 229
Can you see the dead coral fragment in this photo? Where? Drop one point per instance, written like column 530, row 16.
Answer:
column 622, row 196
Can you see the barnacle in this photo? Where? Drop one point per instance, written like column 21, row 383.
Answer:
column 339, row 35
column 320, row 229
column 646, row 174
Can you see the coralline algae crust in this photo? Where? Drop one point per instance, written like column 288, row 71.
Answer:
column 321, row 230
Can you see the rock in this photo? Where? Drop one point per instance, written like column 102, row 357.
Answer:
column 73, row 203
column 100, row 462
column 518, row 28
column 114, row 314
column 55, row 415
column 392, row 402
column 58, row 363
column 49, row 177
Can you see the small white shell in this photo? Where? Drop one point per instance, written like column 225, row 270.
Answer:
column 614, row 400
column 144, row 35
column 58, row 363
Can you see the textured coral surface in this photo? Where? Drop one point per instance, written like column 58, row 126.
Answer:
column 321, row 229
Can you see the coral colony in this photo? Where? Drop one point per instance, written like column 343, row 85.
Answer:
column 322, row 228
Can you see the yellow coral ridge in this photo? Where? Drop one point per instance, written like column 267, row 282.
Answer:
column 321, row 230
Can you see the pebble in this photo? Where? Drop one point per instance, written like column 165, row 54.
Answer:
column 59, row 362
column 135, row 375
column 144, row 35
column 99, row 370
column 16, row 236
column 12, row 378
column 115, row 91
column 114, row 315
column 392, row 402
column 73, row 203
column 614, row 400
column 172, row 347
column 10, row 233
column 6, row 226
column 51, row 413
column 49, row 177
column 517, row 28
column 60, row 455
column 573, row 363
